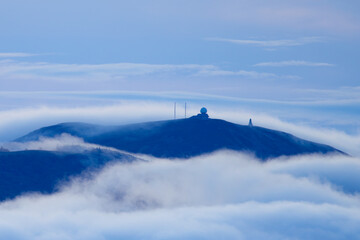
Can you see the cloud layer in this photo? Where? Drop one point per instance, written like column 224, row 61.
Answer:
column 224, row 195
column 44, row 76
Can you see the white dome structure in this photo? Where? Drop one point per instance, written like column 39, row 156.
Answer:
column 203, row 110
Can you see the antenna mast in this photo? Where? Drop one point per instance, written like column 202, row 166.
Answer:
column 185, row 109
column 174, row 110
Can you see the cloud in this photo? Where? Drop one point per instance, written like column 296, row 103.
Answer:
column 223, row 195
column 16, row 54
column 247, row 74
column 340, row 172
column 16, row 122
column 219, row 178
column 15, row 76
column 293, row 63
column 270, row 43
column 123, row 69
column 7, row 66
column 62, row 142
column 342, row 94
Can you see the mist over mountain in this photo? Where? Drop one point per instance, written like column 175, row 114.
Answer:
column 184, row 138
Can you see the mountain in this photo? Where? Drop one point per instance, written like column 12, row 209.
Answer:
column 42, row 171
column 185, row 138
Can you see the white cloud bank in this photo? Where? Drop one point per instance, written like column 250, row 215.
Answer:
column 221, row 196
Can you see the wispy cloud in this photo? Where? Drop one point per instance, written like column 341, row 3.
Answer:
column 125, row 68
column 16, row 55
column 270, row 43
column 15, row 76
column 243, row 73
column 293, row 63
column 62, row 142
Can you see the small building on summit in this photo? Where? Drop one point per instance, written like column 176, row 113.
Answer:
column 250, row 123
column 203, row 114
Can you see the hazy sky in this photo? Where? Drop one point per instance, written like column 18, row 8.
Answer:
column 289, row 59
column 225, row 47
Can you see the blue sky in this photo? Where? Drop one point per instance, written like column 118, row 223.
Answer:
column 296, row 60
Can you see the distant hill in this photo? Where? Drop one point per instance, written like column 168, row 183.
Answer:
column 186, row 138
column 41, row 171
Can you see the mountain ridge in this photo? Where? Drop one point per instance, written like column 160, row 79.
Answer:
column 184, row 138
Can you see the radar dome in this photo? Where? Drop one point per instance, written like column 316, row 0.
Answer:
column 203, row 110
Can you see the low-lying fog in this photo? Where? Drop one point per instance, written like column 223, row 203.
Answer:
column 225, row 195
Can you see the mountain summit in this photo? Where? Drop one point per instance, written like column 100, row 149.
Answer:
column 184, row 138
